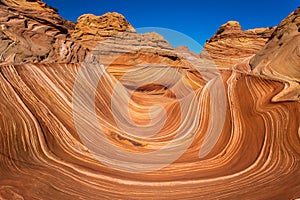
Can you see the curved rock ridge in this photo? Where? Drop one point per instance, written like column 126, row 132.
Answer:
column 280, row 58
column 64, row 127
column 91, row 27
column 129, row 40
column 33, row 32
column 230, row 44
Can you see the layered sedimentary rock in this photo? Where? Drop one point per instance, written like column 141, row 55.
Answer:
column 33, row 32
column 280, row 58
column 137, row 119
column 230, row 44
column 114, row 41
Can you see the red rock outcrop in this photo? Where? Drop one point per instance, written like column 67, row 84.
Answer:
column 137, row 119
column 230, row 44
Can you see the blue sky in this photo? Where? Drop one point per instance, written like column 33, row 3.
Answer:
column 195, row 18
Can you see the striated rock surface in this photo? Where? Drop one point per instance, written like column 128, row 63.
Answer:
column 137, row 119
column 230, row 44
column 33, row 32
column 280, row 58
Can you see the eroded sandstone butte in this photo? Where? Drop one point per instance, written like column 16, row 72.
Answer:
column 91, row 27
column 241, row 144
column 230, row 44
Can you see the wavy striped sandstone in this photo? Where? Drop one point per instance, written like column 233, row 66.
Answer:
column 257, row 155
column 280, row 58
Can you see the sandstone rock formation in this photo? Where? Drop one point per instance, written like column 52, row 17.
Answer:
column 91, row 27
column 66, row 121
column 280, row 58
column 117, row 44
column 230, row 44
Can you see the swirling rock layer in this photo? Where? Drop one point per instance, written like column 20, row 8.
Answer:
column 45, row 109
column 256, row 156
